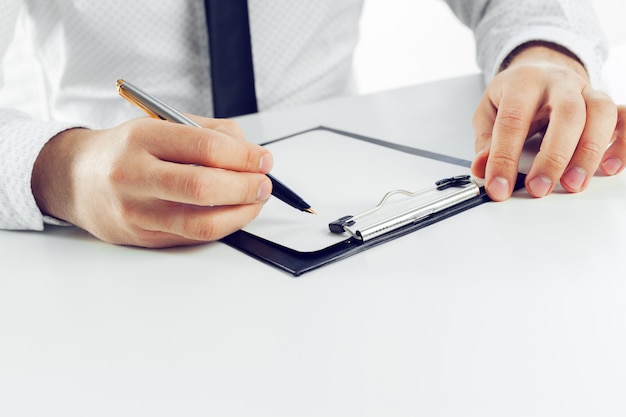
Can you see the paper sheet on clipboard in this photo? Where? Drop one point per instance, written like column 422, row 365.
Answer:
column 338, row 175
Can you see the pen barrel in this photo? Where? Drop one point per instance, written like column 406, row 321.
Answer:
column 152, row 105
column 285, row 194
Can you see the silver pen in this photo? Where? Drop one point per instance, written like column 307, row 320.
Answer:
column 161, row 110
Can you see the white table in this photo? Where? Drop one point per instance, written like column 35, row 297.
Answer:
column 512, row 309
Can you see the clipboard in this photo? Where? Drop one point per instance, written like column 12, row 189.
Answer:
column 343, row 174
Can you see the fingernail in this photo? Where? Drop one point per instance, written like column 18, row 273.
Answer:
column 265, row 190
column 266, row 163
column 499, row 189
column 611, row 166
column 539, row 186
column 575, row 178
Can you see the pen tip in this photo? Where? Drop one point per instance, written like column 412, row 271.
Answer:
column 310, row 210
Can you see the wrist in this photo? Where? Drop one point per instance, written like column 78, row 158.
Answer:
column 52, row 180
column 540, row 52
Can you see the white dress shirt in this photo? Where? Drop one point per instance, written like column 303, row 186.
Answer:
column 302, row 52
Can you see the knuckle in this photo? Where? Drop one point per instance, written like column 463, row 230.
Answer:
column 203, row 228
column 206, row 148
column 249, row 193
column 119, row 174
column 572, row 108
column 193, row 187
column 504, row 159
column 556, row 160
column 511, row 120
column 167, row 180
column 591, row 149
column 250, row 158
column 133, row 132
column 128, row 212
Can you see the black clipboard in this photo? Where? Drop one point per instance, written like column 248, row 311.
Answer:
column 298, row 262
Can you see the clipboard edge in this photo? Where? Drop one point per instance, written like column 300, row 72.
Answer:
column 297, row 263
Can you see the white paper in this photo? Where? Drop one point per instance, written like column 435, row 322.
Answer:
column 338, row 175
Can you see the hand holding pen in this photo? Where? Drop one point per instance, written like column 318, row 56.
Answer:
column 153, row 183
column 161, row 110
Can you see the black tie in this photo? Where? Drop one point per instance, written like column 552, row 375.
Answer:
column 230, row 51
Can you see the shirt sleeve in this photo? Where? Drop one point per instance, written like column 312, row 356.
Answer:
column 21, row 140
column 500, row 26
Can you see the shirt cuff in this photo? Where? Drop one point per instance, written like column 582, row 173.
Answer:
column 22, row 141
column 55, row 222
column 586, row 51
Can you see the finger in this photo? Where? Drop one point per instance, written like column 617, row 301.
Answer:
column 614, row 157
column 165, row 224
column 483, row 122
column 480, row 162
column 207, row 147
column 204, row 186
column 567, row 121
column 227, row 126
column 510, row 129
column 595, row 138
column 153, row 239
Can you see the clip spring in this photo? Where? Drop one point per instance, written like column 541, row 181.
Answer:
column 465, row 188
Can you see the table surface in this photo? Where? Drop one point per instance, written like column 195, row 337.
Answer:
column 512, row 308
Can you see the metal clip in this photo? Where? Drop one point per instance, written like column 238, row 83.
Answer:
column 359, row 227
